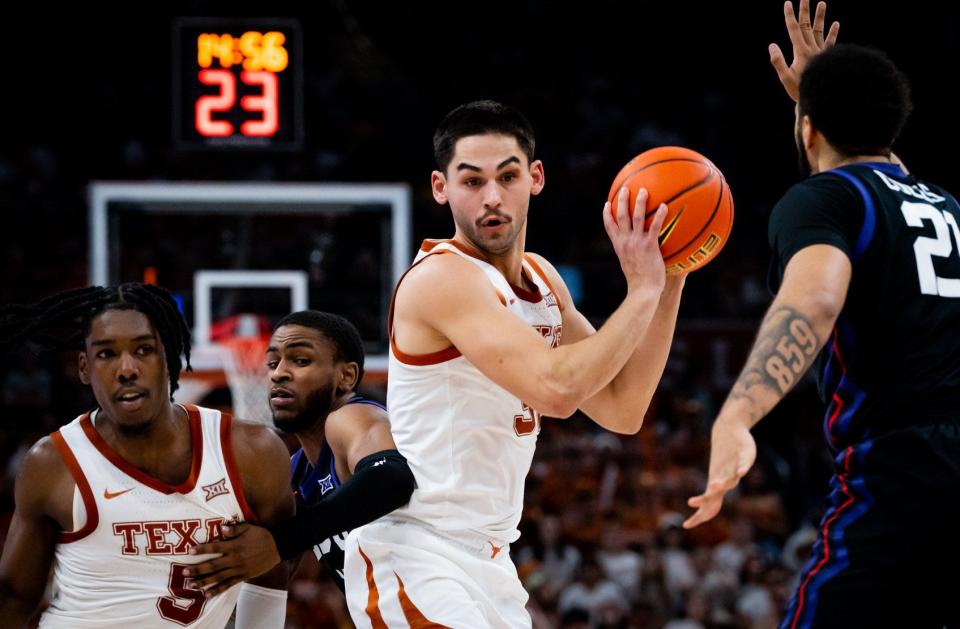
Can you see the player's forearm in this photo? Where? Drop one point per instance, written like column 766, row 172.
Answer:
column 792, row 334
column 380, row 483
column 622, row 405
column 28, row 553
column 276, row 578
column 15, row 609
column 581, row 369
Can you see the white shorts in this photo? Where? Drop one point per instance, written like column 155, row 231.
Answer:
column 400, row 573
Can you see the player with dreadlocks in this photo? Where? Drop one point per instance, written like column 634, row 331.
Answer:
column 116, row 499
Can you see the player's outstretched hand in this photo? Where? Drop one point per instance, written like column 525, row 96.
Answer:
column 732, row 453
column 638, row 249
column 246, row 551
column 807, row 39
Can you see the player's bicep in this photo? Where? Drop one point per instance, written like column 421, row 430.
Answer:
column 813, row 292
column 359, row 430
column 27, row 555
column 462, row 305
column 820, row 274
column 31, row 540
column 576, row 327
column 506, row 350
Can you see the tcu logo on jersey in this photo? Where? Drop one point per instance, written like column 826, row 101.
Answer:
column 170, row 537
column 326, row 484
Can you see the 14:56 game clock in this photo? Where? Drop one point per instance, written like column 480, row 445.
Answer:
column 237, row 84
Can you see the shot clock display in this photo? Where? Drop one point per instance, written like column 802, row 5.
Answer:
column 237, row 84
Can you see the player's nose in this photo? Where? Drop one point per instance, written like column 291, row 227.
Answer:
column 278, row 373
column 129, row 368
column 491, row 195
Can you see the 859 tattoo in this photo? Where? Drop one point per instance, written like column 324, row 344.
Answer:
column 794, row 348
column 785, row 347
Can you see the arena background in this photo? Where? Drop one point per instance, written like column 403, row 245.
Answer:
column 87, row 97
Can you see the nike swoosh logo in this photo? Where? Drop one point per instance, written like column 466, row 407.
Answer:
column 110, row 495
column 669, row 227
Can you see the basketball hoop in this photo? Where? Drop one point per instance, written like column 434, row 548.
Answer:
column 246, row 369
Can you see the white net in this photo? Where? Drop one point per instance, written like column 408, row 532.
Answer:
column 246, row 370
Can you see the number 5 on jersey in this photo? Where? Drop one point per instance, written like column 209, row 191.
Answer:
column 185, row 604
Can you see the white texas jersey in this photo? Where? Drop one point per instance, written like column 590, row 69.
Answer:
column 468, row 441
column 122, row 566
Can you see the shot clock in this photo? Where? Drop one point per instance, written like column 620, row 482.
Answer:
column 237, row 84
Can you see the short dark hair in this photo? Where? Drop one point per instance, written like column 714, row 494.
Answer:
column 62, row 321
column 856, row 97
column 477, row 118
column 347, row 345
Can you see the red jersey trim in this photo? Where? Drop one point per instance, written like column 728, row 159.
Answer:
column 532, row 296
column 543, row 276
column 524, row 294
column 196, row 444
column 421, row 360
column 89, row 503
column 233, row 470
column 433, row 358
column 429, row 245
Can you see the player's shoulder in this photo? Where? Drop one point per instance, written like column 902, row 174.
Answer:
column 825, row 191
column 42, row 470
column 827, row 182
column 43, row 455
column 357, row 413
column 353, row 419
column 442, row 278
column 442, row 266
column 255, row 446
column 253, row 434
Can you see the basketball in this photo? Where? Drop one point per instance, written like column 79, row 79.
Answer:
column 699, row 203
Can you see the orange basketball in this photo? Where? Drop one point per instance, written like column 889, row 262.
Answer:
column 699, row 203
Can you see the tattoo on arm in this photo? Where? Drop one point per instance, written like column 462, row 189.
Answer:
column 785, row 348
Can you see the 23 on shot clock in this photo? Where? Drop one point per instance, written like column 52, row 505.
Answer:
column 237, row 84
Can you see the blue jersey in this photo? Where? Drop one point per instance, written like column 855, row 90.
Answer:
column 311, row 485
column 893, row 359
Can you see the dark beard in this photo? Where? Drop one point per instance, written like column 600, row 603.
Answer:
column 316, row 410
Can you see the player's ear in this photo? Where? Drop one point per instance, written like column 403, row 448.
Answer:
column 438, row 184
column 807, row 132
column 82, row 368
column 536, row 173
column 347, row 373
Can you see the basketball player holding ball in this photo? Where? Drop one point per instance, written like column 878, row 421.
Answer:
column 484, row 339
column 869, row 271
